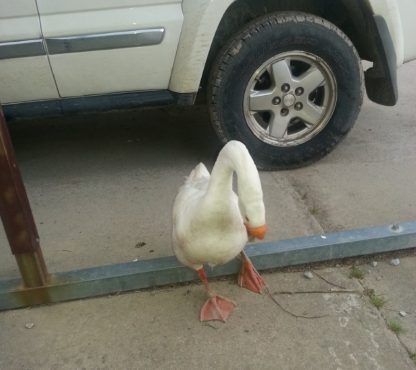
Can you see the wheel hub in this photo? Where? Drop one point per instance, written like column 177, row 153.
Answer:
column 289, row 100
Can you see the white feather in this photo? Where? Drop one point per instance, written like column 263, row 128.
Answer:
column 208, row 226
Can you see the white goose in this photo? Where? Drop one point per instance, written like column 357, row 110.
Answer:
column 211, row 224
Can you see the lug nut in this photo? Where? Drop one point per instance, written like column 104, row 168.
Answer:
column 284, row 112
column 298, row 106
column 276, row 100
column 299, row 91
column 285, row 87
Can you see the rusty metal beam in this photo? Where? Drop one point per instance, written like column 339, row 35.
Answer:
column 17, row 217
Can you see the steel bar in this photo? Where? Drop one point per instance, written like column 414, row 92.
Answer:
column 103, row 280
column 17, row 216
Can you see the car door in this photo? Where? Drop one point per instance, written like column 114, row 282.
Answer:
column 107, row 46
column 25, row 73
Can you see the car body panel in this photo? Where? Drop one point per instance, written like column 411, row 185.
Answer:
column 23, row 78
column 201, row 20
column 389, row 10
column 19, row 20
column 114, row 69
column 407, row 10
column 400, row 18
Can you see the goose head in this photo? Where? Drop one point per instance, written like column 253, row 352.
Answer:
column 253, row 213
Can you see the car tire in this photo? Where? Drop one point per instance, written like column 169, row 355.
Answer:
column 265, row 89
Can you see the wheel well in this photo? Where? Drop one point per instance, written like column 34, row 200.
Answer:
column 351, row 16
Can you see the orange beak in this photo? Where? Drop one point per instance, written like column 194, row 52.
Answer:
column 257, row 232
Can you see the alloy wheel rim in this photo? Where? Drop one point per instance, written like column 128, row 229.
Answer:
column 290, row 98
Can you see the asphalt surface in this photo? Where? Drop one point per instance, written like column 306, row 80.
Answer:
column 102, row 185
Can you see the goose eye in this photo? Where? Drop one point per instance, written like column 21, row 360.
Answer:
column 247, row 219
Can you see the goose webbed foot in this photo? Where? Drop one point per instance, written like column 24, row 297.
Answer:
column 249, row 277
column 216, row 308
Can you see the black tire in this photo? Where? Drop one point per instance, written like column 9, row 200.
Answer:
column 259, row 41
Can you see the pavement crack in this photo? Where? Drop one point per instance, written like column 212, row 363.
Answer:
column 298, row 197
column 385, row 320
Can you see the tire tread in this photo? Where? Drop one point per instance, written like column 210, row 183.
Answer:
column 232, row 48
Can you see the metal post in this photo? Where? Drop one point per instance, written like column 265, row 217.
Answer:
column 17, row 216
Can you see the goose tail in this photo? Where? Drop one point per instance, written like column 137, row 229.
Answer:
column 200, row 172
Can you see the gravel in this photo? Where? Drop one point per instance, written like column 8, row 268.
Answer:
column 308, row 275
column 395, row 262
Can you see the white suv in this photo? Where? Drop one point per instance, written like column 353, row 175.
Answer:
column 283, row 76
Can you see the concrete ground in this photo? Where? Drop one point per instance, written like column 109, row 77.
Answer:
column 101, row 185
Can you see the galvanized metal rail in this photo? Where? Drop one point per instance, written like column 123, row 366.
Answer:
column 38, row 287
column 96, row 281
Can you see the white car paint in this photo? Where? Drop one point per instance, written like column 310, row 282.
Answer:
column 390, row 11
column 23, row 79
column 201, row 19
column 115, row 70
column 176, row 64
column 407, row 10
column 19, row 20
column 400, row 18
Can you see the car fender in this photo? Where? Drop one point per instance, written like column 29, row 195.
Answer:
column 201, row 20
column 389, row 10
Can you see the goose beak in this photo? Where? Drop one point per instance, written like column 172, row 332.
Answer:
column 257, row 232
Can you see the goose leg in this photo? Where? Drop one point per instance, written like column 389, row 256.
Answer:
column 216, row 307
column 249, row 278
